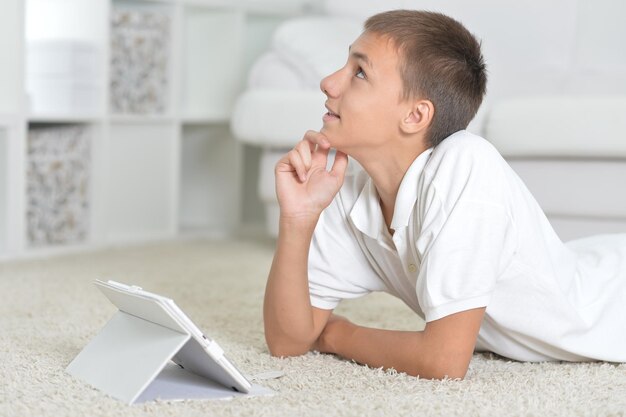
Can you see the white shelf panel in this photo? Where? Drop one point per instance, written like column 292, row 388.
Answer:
column 204, row 118
column 166, row 5
column 67, row 19
column 11, row 57
column 148, row 2
column 210, row 179
column 141, row 119
column 59, row 181
column 212, row 58
column 7, row 119
column 276, row 7
column 141, row 178
column 141, row 67
column 4, row 197
column 65, row 118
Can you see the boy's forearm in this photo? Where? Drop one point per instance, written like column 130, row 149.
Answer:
column 287, row 311
column 405, row 351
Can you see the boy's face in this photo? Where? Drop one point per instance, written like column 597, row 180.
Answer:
column 364, row 97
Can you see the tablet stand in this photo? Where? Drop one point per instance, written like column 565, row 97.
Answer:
column 126, row 356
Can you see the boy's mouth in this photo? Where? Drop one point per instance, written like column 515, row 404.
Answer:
column 331, row 115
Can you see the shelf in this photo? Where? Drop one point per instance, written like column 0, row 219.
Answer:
column 67, row 19
column 211, row 70
column 64, row 55
column 4, row 197
column 210, row 179
column 141, row 119
column 58, row 184
column 280, row 8
column 141, row 75
column 199, row 119
column 147, row 3
column 7, row 119
column 11, row 62
column 65, row 118
column 141, row 175
column 161, row 160
column 276, row 7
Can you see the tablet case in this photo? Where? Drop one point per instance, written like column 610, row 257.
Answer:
column 130, row 352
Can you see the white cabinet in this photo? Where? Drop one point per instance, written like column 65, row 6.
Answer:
column 212, row 71
column 3, row 188
column 11, row 56
column 151, row 84
column 141, row 178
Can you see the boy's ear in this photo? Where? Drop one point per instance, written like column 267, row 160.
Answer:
column 420, row 116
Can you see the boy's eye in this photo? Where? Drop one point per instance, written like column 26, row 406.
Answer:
column 360, row 73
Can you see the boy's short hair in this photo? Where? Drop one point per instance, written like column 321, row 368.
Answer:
column 440, row 61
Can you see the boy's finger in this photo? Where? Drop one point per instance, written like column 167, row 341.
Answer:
column 316, row 138
column 340, row 164
column 283, row 165
column 304, row 150
column 296, row 161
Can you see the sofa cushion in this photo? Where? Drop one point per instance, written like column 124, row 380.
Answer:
column 269, row 71
column 575, row 188
column 587, row 127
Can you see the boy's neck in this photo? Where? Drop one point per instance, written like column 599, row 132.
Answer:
column 387, row 169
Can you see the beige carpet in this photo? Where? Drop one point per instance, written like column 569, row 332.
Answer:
column 49, row 310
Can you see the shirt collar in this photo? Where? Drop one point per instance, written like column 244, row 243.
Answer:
column 407, row 193
column 366, row 213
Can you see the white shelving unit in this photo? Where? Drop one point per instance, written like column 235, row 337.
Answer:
column 3, row 187
column 162, row 165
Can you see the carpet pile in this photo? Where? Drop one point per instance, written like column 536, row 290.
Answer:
column 49, row 310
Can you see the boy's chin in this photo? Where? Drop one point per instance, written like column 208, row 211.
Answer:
column 336, row 141
column 332, row 137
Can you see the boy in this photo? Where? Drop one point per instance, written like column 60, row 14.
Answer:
column 437, row 218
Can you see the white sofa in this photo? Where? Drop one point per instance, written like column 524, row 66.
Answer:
column 572, row 157
column 557, row 82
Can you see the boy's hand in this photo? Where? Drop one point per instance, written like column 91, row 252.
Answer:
column 303, row 186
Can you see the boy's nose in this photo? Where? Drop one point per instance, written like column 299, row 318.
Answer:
column 329, row 85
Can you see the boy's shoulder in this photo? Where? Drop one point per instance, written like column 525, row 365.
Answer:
column 465, row 164
column 458, row 157
column 462, row 152
column 464, row 143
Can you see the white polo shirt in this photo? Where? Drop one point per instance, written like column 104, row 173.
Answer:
column 468, row 234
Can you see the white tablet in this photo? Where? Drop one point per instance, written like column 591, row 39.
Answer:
column 200, row 355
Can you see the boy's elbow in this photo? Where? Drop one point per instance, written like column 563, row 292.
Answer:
column 283, row 349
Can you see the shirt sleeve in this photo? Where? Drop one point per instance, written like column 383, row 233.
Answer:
column 338, row 268
column 465, row 251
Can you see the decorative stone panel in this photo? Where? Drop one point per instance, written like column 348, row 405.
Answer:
column 58, row 171
column 139, row 61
